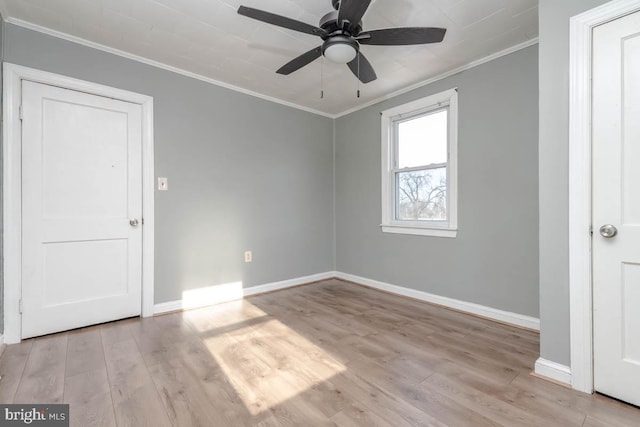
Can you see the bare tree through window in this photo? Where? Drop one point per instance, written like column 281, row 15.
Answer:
column 422, row 195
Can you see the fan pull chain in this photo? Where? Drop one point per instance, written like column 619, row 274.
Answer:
column 322, row 78
column 358, row 84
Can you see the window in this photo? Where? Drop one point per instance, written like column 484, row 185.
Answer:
column 419, row 166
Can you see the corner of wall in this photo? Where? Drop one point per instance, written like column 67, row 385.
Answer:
column 553, row 371
column 335, row 218
column 2, row 38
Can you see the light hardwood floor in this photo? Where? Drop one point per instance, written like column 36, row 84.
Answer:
column 330, row 353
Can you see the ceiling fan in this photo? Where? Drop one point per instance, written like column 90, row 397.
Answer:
column 342, row 35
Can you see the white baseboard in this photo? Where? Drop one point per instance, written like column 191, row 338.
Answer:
column 515, row 319
column 167, row 307
column 554, row 371
column 232, row 291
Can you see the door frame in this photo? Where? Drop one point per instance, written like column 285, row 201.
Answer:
column 13, row 75
column 580, row 176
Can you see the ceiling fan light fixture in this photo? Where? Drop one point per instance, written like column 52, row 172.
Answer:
column 340, row 53
column 340, row 50
column 342, row 33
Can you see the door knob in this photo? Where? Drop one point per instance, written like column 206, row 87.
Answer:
column 608, row 231
column 133, row 222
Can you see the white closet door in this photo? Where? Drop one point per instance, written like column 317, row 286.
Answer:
column 81, row 209
column 616, row 208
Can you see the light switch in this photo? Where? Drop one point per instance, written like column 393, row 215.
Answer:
column 163, row 184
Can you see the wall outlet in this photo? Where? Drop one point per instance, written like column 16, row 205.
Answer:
column 163, row 184
column 248, row 256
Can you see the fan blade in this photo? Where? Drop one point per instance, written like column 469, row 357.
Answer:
column 300, row 61
column 280, row 21
column 352, row 11
column 363, row 71
column 402, row 36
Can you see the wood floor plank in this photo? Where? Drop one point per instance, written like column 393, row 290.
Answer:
column 403, row 387
column 331, row 353
column 43, row 377
column 496, row 355
column 304, row 368
column 14, row 358
column 265, row 380
column 394, row 411
column 320, row 335
column 604, row 409
column 493, row 370
column 84, row 351
column 185, row 401
column 89, row 398
column 485, row 404
column 126, row 369
column 541, row 405
column 613, row 412
column 221, row 393
column 297, row 412
column 594, row 422
column 135, row 398
column 117, row 331
column 355, row 416
column 142, row 409
column 243, row 370
column 521, row 339
column 284, row 345
column 160, row 340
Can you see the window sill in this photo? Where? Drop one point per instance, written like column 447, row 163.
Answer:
column 420, row 231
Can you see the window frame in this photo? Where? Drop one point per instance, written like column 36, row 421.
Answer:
column 389, row 118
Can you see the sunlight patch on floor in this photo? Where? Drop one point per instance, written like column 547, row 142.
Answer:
column 261, row 357
column 219, row 318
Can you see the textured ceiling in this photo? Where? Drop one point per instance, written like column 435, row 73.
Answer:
column 208, row 38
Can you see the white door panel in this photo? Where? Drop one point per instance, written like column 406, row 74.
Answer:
column 81, row 183
column 616, row 201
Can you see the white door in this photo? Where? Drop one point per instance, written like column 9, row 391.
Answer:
column 616, row 202
column 81, row 186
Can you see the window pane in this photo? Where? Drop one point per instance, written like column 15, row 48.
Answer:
column 423, row 141
column 422, row 195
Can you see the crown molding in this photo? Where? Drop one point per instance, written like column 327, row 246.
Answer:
column 157, row 64
column 442, row 76
column 4, row 11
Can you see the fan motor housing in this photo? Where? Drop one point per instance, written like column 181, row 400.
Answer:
column 329, row 23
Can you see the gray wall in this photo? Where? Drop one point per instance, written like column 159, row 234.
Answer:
column 554, row 174
column 244, row 173
column 494, row 259
column 249, row 174
column 2, row 27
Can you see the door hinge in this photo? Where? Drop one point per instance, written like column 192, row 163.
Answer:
column 20, row 113
column 20, row 305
